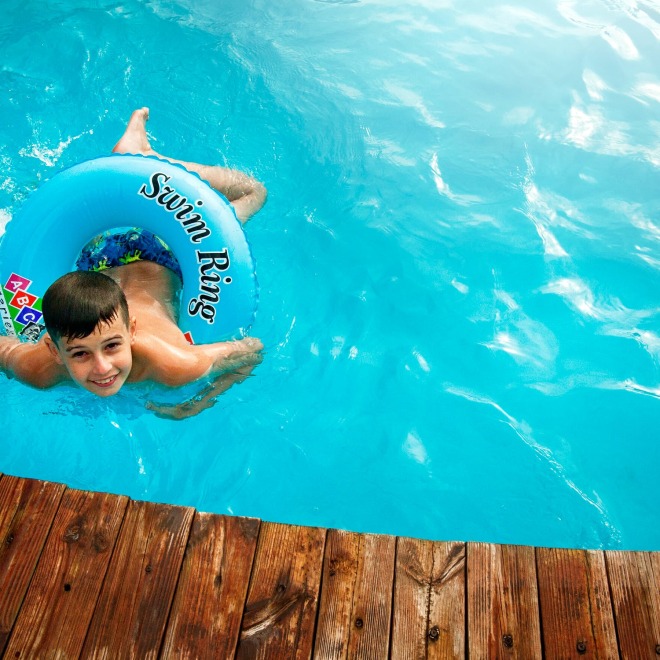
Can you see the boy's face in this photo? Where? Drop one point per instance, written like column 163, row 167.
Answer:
column 100, row 362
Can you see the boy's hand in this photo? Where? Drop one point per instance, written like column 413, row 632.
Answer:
column 183, row 410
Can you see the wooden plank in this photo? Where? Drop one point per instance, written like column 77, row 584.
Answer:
column 205, row 621
column 635, row 586
column 502, row 602
column 132, row 610
column 283, row 594
column 356, row 597
column 372, row 600
column 576, row 610
column 429, row 600
column 340, row 567
column 27, row 509
column 59, row 604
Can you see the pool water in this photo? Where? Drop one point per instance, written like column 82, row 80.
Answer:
column 459, row 259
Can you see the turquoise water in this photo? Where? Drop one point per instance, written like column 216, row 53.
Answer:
column 459, row 259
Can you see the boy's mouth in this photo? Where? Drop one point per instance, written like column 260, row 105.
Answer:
column 106, row 382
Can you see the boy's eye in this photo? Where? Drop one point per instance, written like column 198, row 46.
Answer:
column 112, row 345
column 78, row 354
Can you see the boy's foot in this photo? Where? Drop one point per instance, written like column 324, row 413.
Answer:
column 134, row 140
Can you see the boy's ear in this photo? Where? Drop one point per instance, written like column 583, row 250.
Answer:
column 132, row 325
column 52, row 347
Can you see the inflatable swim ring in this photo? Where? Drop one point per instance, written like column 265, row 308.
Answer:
column 43, row 241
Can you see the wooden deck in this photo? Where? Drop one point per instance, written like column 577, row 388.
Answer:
column 95, row 575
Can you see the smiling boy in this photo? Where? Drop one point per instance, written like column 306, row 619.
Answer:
column 106, row 329
column 90, row 334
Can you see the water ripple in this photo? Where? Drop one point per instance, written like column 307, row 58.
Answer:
column 523, row 430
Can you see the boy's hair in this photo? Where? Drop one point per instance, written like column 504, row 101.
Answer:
column 76, row 303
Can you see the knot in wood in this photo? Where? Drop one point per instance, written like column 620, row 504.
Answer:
column 100, row 542
column 581, row 647
column 72, row 534
column 434, row 634
column 148, row 568
column 507, row 640
column 9, row 540
column 359, row 623
column 657, row 649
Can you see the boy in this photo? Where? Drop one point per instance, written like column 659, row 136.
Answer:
column 105, row 329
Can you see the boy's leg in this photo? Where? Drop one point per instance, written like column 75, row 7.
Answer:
column 246, row 194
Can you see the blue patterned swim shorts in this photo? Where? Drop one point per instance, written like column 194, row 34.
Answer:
column 112, row 249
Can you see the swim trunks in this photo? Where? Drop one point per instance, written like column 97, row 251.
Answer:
column 112, row 249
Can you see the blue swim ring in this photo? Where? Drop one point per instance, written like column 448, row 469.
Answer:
column 44, row 239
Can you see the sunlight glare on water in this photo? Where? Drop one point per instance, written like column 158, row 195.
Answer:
column 459, row 258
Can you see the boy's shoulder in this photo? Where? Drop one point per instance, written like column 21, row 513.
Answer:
column 167, row 360
column 176, row 362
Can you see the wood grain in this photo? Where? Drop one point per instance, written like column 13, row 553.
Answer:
column 206, row 615
column 635, row 585
column 27, row 510
column 283, row 594
column 340, row 568
column 372, row 601
column 60, row 601
column 429, row 600
column 502, row 602
column 92, row 575
column 356, row 598
column 130, row 617
column 576, row 610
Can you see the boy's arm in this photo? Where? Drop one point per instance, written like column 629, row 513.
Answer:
column 206, row 398
column 30, row 363
column 232, row 355
column 230, row 363
column 7, row 346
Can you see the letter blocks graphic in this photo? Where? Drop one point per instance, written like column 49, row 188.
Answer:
column 16, row 282
column 20, row 311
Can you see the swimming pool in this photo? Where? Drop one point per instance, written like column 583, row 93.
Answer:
column 459, row 260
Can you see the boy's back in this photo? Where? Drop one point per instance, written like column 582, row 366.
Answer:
column 160, row 351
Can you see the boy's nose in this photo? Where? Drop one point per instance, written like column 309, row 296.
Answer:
column 101, row 364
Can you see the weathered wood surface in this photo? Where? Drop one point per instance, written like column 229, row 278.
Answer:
column 131, row 615
column 576, row 610
column 356, row 603
column 280, row 611
column 206, row 615
column 58, row 606
column 96, row 575
column 27, row 509
column 429, row 600
column 635, row 585
column 502, row 602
